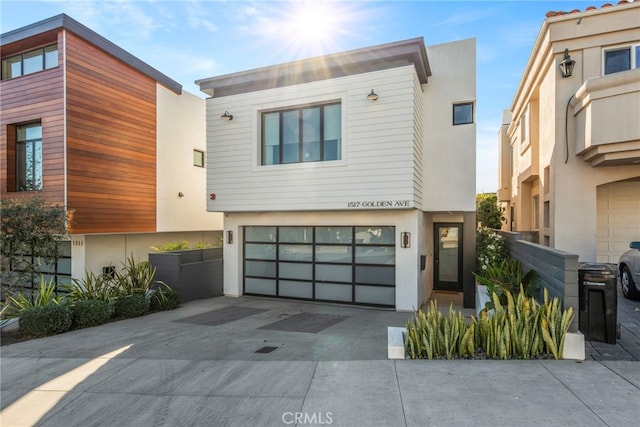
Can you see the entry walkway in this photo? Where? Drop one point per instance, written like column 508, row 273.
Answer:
column 245, row 362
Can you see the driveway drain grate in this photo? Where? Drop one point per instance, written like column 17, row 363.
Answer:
column 266, row 350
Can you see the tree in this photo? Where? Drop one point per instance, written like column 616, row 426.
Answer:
column 29, row 230
column 488, row 213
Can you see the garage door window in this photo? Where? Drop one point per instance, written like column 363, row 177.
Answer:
column 345, row 264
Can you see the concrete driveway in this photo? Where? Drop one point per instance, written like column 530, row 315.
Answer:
column 260, row 362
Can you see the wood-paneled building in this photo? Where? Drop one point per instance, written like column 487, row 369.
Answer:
column 95, row 129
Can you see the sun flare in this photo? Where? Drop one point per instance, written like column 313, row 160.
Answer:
column 313, row 22
column 315, row 27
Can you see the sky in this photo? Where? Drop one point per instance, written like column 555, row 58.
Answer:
column 189, row 40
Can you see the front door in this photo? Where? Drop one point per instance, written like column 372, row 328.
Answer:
column 447, row 257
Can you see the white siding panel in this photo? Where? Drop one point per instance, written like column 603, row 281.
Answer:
column 378, row 138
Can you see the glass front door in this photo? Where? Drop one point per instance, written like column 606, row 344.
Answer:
column 447, row 257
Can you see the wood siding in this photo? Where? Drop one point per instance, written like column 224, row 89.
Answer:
column 379, row 158
column 111, row 143
column 34, row 97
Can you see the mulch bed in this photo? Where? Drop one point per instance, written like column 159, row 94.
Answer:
column 13, row 336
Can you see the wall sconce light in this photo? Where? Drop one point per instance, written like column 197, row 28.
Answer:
column 566, row 65
column 405, row 239
column 229, row 236
column 372, row 96
column 180, row 194
column 226, row 116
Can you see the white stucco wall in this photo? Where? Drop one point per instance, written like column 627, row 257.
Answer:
column 449, row 151
column 91, row 252
column 181, row 129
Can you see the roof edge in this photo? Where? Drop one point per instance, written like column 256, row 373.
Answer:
column 357, row 61
column 66, row 22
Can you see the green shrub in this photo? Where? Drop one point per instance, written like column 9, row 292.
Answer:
column 45, row 295
column 180, row 246
column 490, row 249
column 433, row 335
column 507, row 276
column 135, row 277
column 523, row 329
column 40, row 321
column 91, row 286
column 90, row 312
column 133, row 305
column 165, row 298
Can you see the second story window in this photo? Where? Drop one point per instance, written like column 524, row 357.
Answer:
column 30, row 62
column 463, row 113
column 198, row 158
column 621, row 59
column 29, row 157
column 306, row 134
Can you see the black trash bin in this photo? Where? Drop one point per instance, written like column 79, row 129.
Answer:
column 598, row 305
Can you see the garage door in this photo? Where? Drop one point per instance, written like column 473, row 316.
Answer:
column 618, row 218
column 341, row 264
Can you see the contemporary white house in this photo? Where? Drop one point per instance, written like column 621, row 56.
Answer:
column 348, row 177
column 570, row 142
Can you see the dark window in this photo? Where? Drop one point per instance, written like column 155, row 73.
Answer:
column 198, row 158
column 306, row 134
column 29, row 157
column 463, row 113
column 617, row 60
column 30, row 62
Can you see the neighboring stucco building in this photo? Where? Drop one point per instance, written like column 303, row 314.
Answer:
column 348, row 177
column 96, row 130
column 570, row 146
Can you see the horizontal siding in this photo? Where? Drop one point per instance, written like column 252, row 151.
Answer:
column 111, row 143
column 378, row 147
column 33, row 97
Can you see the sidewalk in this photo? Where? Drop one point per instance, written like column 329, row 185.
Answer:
column 193, row 367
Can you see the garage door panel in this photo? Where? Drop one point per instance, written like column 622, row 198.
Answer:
column 374, row 294
column 260, row 286
column 618, row 219
column 289, row 288
column 334, row 292
column 333, row 273
column 290, row 270
column 260, row 268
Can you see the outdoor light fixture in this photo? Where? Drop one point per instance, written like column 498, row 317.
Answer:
column 566, row 65
column 226, row 116
column 372, row 96
column 405, row 239
column 229, row 236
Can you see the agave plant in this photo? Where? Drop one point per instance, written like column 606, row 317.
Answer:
column 135, row 277
column 45, row 295
column 91, row 286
